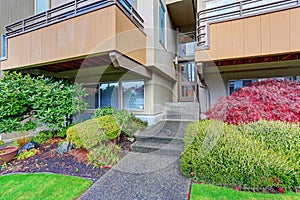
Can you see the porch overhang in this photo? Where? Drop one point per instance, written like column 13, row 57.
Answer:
column 179, row 8
column 91, row 67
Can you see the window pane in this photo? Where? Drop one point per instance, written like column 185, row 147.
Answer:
column 41, row 6
column 131, row 2
column 161, row 24
column 92, row 99
column 133, row 95
column 3, row 48
column 109, row 95
column 298, row 78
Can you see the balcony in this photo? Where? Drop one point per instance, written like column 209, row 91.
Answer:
column 248, row 28
column 81, row 32
column 186, row 45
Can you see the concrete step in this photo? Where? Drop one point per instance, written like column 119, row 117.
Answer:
column 160, row 139
column 182, row 110
column 172, row 148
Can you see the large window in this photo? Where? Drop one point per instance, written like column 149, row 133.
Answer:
column 109, row 94
column 41, row 6
column 235, row 85
column 133, row 95
column 162, row 24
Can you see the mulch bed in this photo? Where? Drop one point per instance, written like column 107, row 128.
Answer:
column 73, row 163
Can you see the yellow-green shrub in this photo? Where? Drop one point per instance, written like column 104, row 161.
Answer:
column 95, row 135
column 219, row 153
column 93, row 132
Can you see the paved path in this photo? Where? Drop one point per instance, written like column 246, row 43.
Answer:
column 140, row 176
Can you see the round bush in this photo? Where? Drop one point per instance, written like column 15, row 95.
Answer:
column 219, row 153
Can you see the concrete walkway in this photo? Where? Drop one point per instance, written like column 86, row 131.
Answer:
column 138, row 176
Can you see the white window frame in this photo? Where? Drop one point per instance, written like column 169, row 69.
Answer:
column 122, row 93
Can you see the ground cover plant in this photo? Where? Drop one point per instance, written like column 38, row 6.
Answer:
column 259, row 156
column 42, row 186
column 202, row 191
column 270, row 100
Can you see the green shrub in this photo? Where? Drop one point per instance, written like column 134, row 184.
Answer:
column 105, row 155
column 93, row 132
column 96, row 135
column 278, row 135
column 63, row 132
column 109, row 126
column 104, row 111
column 218, row 153
column 130, row 124
column 46, row 100
column 73, row 136
column 43, row 136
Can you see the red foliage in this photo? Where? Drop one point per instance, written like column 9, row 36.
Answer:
column 281, row 190
column 269, row 100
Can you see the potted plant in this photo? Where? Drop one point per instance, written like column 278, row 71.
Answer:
column 7, row 154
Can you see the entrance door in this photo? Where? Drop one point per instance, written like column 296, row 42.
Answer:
column 187, row 81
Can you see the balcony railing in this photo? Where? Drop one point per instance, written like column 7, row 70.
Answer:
column 70, row 10
column 186, row 44
column 236, row 10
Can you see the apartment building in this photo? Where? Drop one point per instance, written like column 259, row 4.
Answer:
column 157, row 58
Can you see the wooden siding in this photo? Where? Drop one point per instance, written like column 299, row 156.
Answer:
column 268, row 34
column 91, row 33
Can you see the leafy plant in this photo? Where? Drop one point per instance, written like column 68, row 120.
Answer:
column 27, row 154
column 43, row 136
column 1, row 142
column 104, row 111
column 243, row 156
column 26, row 99
column 63, row 132
column 271, row 100
column 105, row 155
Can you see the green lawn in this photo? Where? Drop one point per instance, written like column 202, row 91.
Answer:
column 214, row 192
column 42, row 186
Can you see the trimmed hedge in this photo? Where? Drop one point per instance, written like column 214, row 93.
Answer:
column 93, row 132
column 229, row 155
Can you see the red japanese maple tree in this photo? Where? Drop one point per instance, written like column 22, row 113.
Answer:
column 269, row 100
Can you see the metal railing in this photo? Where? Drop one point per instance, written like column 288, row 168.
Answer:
column 70, row 10
column 236, row 10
